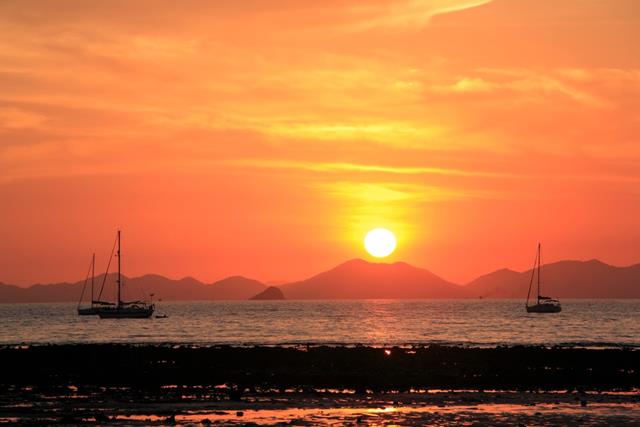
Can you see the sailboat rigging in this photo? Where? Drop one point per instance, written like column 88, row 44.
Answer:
column 124, row 309
column 120, row 309
column 87, row 311
column 543, row 304
column 95, row 303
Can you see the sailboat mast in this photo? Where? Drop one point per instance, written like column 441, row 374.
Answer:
column 93, row 273
column 119, row 275
column 538, row 273
column 533, row 274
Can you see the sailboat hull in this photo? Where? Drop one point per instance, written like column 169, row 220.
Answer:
column 544, row 308
column 89, row 311
column 126, row 313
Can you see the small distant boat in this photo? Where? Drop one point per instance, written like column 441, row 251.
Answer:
column 543, row 304
column 123, row 309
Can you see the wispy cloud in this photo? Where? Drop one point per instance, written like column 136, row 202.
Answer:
column 356, row 167
column 393, row 192
column 404, row 14
column 525, row 83
column 17, row 118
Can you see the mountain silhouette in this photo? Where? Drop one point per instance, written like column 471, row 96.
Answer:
column 359, row 279
column 271, row 293
column 563, row 279
column 231, row 288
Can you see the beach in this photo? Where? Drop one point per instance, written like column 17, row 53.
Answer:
column 318, row 385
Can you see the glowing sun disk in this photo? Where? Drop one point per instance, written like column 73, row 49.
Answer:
column 380, row 242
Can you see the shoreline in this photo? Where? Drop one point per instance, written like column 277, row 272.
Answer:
column 136, row 384
column 304, row 345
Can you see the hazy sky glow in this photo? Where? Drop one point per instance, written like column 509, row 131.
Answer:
column 265, row 138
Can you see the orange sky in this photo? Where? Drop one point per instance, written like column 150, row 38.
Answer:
column 264, row 138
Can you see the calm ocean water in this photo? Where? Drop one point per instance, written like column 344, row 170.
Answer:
column 379, row 322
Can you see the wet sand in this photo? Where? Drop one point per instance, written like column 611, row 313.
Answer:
column 150, row 384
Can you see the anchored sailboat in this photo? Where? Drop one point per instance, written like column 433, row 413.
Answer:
column 543, row 304
column 123, row 309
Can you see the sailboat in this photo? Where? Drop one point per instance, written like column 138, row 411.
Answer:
column 543, row 304
column 124, row 309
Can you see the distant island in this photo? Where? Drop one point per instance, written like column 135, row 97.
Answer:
column 360, row 279
column 271, row 293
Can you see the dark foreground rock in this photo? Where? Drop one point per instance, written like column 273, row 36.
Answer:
column 357, row 368
column 123, row 385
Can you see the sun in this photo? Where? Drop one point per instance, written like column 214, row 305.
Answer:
column 380, row 242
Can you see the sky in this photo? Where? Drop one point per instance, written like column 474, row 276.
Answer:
column 265, row 137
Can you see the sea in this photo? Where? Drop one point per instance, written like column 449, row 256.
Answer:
column 473, row 323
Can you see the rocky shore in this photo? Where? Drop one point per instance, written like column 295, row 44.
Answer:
column 167, row 384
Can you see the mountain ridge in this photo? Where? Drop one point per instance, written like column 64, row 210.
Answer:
column 361, row 279
column 563, row 279
column 185, row 289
